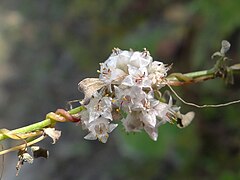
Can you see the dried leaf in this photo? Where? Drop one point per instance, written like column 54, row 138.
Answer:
column 225, row 47
column 19, row 136
column 9, row 134
column 184, row 120
column 23, row 156
column 39, row 152
column 52, row 133
column 89, row 86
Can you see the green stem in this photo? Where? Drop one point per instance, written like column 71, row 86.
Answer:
column 218, row 71
column 179, row 79
column 198, row 74
column 39, row 125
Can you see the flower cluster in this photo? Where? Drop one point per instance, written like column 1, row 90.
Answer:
column 127, row 90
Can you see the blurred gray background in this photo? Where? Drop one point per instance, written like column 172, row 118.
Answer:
column 47, row 47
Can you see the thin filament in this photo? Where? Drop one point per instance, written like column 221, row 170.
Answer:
column 205, row 105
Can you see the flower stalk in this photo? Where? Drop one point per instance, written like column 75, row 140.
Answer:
column 127, row 82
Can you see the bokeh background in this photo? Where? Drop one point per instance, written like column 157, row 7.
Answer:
column 47, row 47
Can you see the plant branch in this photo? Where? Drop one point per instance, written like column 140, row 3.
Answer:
column 39, row 125
column 174, row 79
column 220, row 70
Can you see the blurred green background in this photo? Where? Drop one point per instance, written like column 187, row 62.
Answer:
column 47, row 47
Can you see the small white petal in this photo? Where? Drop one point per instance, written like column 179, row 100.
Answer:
column 90, row 136
column 152, row 132
column 128, row 81
column 112, row 127
column 132, row 122
column 139, row 59
column 123, row 60
column 149, row 118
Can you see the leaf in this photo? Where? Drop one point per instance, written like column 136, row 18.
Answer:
column 9, row 134
column 89, row 86
column 23, row 157
column 52, row 133
column 18, row 136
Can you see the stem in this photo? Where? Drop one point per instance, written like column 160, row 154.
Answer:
column 39, row 125
column 192, row 77
column 198, row 74
column 22, row 145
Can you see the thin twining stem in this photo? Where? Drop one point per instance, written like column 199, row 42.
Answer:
column 205, row 105
column 39, row 125
column 22, row 146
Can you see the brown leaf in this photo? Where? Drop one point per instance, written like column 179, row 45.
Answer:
column 23, row 157
column 89, row 86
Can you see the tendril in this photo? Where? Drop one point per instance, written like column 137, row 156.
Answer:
column 62, row 115
column 205, row 105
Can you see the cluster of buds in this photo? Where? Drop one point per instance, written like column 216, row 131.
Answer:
column 128, row 91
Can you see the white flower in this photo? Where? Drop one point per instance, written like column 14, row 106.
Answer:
column 132, row 122
column 122, row 98
column 156, row 113
column 140, row 59
column 149, row 112
column 137, row 96
column 84, row 114
column 129, row 99
column 115, row 67
column 166, row 112
column 109, row 72
column 149, row 118
column 157, row 72
column 123, row 60
column 100, row 106
column 157, row 66
column 99, row 129
column 137, row 77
